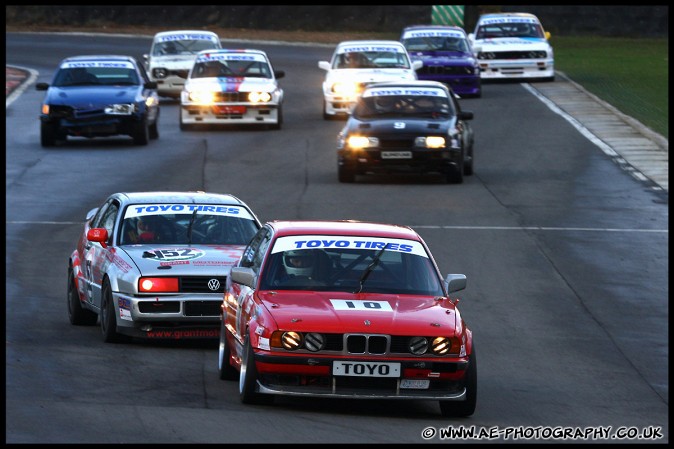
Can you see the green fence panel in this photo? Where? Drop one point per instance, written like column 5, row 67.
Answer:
column 447, row 15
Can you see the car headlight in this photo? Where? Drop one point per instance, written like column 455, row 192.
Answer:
column 45, row 109
column 430, row 142
column 441, row 345
column 358, row 142
column 120, row 109
column 345, row 89
column 291, row 340
column 418, row 345
column 259, row 97
column 314, row 342
column 160, row 72
column 537, row 54
column 201, row 96
column 486, row 55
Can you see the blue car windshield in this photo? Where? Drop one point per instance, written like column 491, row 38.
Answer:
column 436, row 43
column 91, row 76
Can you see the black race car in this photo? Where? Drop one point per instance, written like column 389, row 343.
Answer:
column 410, row 126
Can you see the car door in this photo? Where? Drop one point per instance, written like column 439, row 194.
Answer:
column 97, row 258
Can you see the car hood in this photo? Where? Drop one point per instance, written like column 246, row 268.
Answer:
column 232, row 84
column 375, row 313
column 181, row 260
column 370, row 75
column 393, row 126
column 513, row 43
column 173, row 62
column 88, row 97
column 454, row 58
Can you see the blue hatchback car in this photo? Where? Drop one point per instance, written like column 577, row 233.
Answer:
column 447, row 56
column 99, row 96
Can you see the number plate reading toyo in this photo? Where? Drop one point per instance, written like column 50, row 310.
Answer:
column 366, row 369
column 396, row 155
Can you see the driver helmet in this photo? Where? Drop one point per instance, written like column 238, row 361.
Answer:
column 145, row 229
column 298, row 262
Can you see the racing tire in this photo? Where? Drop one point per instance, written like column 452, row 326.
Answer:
column 248, row 378
column 468, row 164
column 48, row 134
column 225, row 369
column 154, row 130
column 345, row 174
column 78, row 315
column 455, row 409
column 109, row 318
column 455, row 175
column 141, row 133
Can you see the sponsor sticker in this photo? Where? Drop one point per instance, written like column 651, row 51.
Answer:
column 338, row 241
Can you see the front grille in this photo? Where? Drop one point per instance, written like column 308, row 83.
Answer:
column 202, row 308
column 232, row 97
column 159, row 306
column 445, row 70
column 517, row 55
column 200, row 284
column 366, row 344
column 394, row 144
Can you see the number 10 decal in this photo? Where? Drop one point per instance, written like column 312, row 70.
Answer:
column 350, row 304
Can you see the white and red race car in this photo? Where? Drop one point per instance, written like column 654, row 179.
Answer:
column 512, row 46
column 232, row 87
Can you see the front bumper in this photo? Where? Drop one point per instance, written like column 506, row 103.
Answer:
column 99, row 125
column 170, row 86
column 187, row 316
column 225, row 113
column 421, row 161
column 312, row 376
column 520, row 68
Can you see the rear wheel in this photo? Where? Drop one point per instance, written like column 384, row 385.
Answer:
column 225, row 369
column 78, row 315
column 467, row 407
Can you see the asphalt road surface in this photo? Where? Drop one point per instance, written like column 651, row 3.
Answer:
column 565, row 251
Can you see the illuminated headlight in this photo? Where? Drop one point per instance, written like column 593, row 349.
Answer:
column 120, row 109
column 259, row 97
column 160, row 73
column 201, row 96
column 345, row 89
column 418, row 345
column 430, row 142
column 486, row 55
column 358, row 142
column 45, row 109
column 314, row 342
column 291, row 340
column 441, row 345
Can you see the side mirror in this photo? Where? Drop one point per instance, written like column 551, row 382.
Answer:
column 150, row 85
column 465, row 115
column 243, row 276
column 41, row 86
column 99, row 235
column 325, row 65
column 548, row 35
column 477, row 49
column 279, row 74
column 455, row 282
column 146, row 57
column 417, row 64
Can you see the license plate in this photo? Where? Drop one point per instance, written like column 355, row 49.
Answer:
column 222, row 110
column 366, row 369
column 396, row 155
column 415, row 384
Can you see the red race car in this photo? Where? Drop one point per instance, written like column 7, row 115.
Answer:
column 345, row 309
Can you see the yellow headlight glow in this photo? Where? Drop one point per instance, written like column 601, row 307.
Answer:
column 345, row 89
column 259, row 97
column 358, row 142
column 202, row 96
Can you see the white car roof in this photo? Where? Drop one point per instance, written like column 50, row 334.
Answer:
column 171, row 33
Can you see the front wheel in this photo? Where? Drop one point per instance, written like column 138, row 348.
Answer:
column 109, row 317
column 141, row 135
column 78, row 315
column 453, row 409
column 248, row 378
column 225, row 369
column 48, row 133
column 345, row 174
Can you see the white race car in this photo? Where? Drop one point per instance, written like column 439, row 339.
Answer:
column 356, row 64
column 232, row 87
column 513, row 45
column 172, row 56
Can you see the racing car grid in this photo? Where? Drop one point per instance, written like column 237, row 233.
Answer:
column 18, row 78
